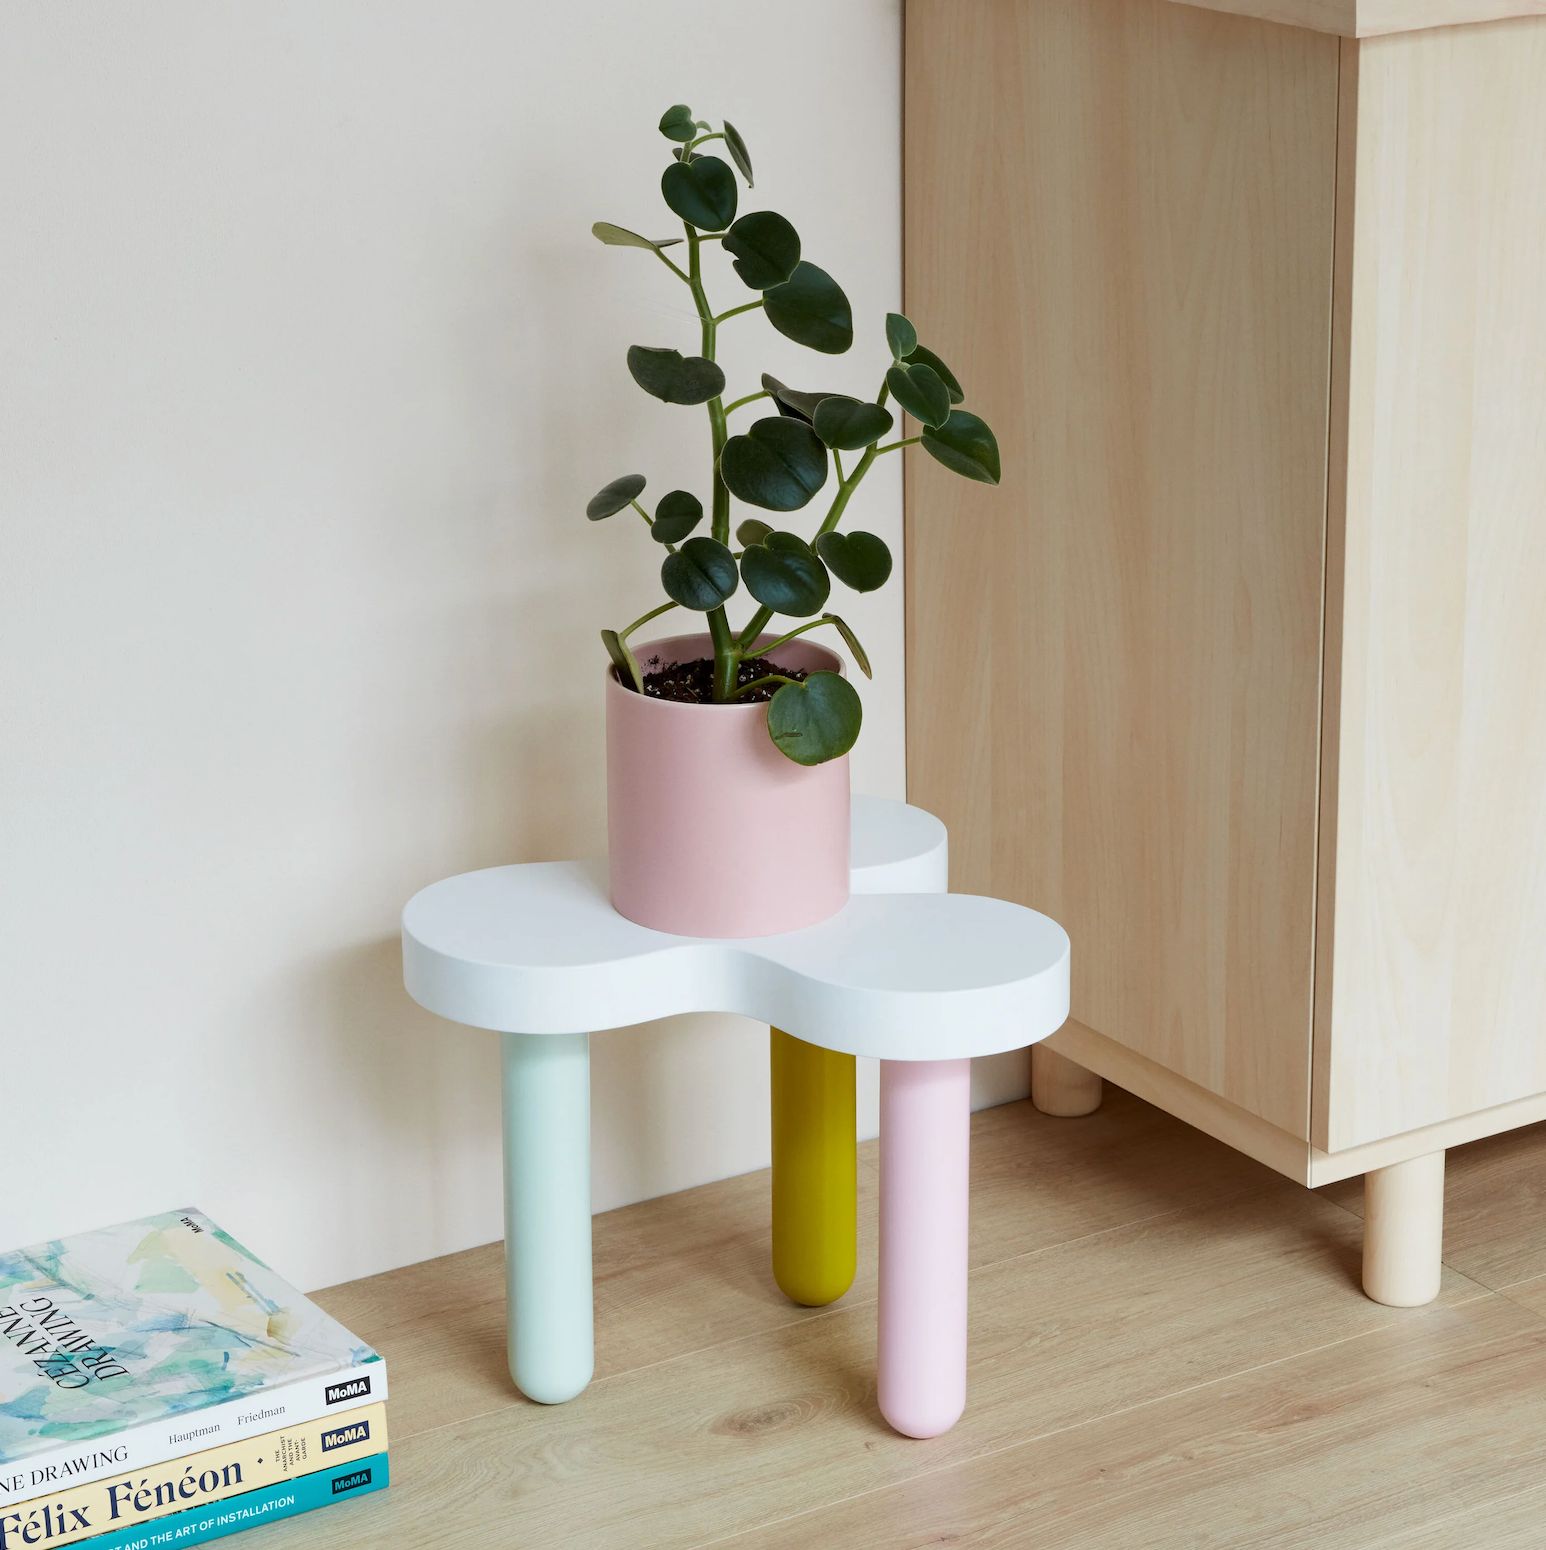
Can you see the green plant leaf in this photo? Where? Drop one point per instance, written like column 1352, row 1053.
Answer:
column 790, row 401
column 922, row 357
column 810, row 308
column 859, row 560
column 790, row 541
column 675, row 378
column 676, row 123
column 846, row 424
column 900, row 335
column 611, row 498
column 678, row 513
column 700, row 575
column 966, row 446
column 787, row 578
column 919, row 390
column 621, row 237
column 765, row 248
column 623, row 659
column 779, row 464
column 860, row 655
column 752, row 531
column 738, row 152
column 816, row 720
column 702, row 191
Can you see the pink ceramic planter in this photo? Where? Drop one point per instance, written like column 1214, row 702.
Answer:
column 711, row 831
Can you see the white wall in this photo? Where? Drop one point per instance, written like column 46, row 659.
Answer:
column 308, row 364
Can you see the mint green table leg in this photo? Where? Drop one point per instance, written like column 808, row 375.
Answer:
column 547, row 1214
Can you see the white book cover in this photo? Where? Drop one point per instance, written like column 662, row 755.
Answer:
column 134, row 1344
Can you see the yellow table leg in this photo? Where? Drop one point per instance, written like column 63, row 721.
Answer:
column 815, row 1171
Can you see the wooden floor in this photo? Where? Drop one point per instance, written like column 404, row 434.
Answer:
column 1169, row 1348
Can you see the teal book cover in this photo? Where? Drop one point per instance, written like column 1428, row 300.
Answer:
column 322, row 1488
column 136, row 1325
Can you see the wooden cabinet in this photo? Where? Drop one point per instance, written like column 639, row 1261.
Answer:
column 1241, row 673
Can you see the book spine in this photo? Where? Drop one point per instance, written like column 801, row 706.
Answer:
column 121, row 1501
column 321, row 1488
column 154, row 1442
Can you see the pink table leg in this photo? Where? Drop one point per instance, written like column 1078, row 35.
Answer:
column 925, row 1146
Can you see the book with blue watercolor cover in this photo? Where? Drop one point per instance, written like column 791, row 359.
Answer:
column 321, row 1488
column 139, row 1343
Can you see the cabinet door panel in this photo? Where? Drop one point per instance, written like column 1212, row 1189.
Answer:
column 1119, row 234
column 1432, row 999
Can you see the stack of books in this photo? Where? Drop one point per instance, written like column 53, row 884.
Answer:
column 160, row 1386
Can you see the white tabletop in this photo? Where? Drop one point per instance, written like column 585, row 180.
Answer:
column 920, row 975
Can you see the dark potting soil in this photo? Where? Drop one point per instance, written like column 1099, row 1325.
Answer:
column 692, row 683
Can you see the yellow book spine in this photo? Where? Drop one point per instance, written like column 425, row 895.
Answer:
column 121, row 1501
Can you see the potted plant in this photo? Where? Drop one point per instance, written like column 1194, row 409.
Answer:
column 727, row 769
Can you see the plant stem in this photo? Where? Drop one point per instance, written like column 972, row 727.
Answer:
column 649, row 521
column 727, row 658
column 750, row 398
column 846, row 487
column 654, row 613
column 747, row 306
column 845, row 492
column 892, row 446
column 769, row 678
column 783, row 640
column 674, row 267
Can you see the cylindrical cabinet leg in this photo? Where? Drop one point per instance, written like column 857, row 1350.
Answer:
column 815, row 1171
column 547, row 1214
column 925, row 1146
column 1061, row 1087
column 1403, row 1231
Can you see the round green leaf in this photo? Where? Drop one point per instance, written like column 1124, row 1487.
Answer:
column 816, row 720
column 795, row 404
column 611, row 498
column 810, row 308
column 860, row 655
column 846, row 424
column 700, row 575
column 738, row 152
column 859, row 560
column 621, row 237
column 922, row 357
column 920, row 392
column 702, row 191
column 765, row 248
column 678, row 513
column 779, row 464
column 676, row 122
column 966, row 446
column 752, row 531
column 674, row 378
column 900, row 335
column 788, row 579
column 787, row 540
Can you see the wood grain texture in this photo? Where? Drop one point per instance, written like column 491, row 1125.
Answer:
column 1169, row 1349
column 690, row 1270
column 1435, row 1002
column 1319, row 1452
column 747, row 1431
column 1529, row 1294
column 1114, row 658
column 1372, row 18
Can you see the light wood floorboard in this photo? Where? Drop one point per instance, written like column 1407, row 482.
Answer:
column 1169, row 1347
